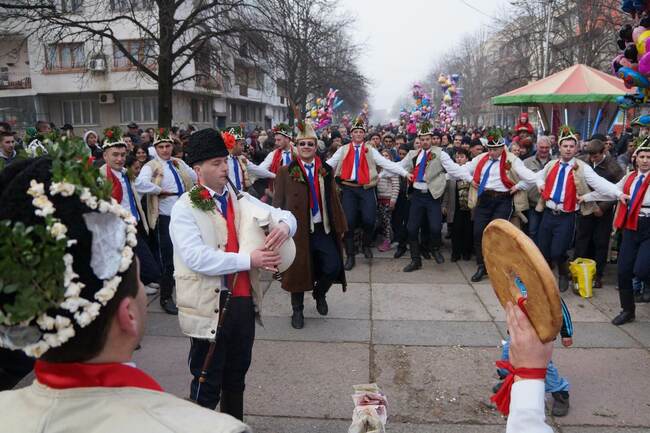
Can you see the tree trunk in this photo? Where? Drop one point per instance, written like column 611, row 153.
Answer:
column 165, row 85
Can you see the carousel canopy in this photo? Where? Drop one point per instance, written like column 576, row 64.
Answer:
column 577, row 84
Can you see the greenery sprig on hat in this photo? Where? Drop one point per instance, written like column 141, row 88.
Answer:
column 566, row 132
column 495, row 136
column 283, row 129
column 426, row 128
column 113, row 137
column 235, row 131
column 162, row 134
column 358, row 123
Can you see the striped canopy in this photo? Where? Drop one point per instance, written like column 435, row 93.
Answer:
column 577, row 84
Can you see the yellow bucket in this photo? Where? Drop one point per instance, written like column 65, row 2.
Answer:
column 583, row 272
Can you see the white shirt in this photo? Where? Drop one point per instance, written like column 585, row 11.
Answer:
column 598, row 196
column 384, row 163
column 527, row 177
column 167, row 184
column 202, row 259
column 595, row 181
column 453, row 170
column 257, row 171
column 318, row 218
column 527, row 408
column 266, row 164
column 125, row 194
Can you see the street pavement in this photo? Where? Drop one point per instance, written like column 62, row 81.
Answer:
column 429, row 339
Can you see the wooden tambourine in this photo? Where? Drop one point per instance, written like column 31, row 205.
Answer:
column 515, row 264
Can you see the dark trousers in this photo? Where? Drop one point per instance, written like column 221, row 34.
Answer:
column 232, row 355
column 633, row 261
column 534, row 219
column 326, row 264
column 165, row 256
column 424, row 205
column 149, row 267
column 14, row 365
column 357, row 201
column 556, row 235
column 400, row 218
column 489, row 208
column 462, row 241
column 592, row 238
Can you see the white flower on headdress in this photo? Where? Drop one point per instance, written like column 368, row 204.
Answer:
column 127, row 258
column 64, row 188
column 104, row 206
column 85, row 317
column 58, row 230
column 71, row 242
column 72, row 304
column 37, row 349
column 88, row 199
column 108, row 291
column 61, row 322
column 45, row 322
column 44, row 206
column 131, row 240
column 36, row 188
column 73, row 289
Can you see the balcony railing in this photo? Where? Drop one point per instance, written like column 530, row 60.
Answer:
column 212, row 83
column 12, row 82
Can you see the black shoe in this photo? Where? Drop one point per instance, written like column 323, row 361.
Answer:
column 367, row 252
column 425, row 253
column 479, row 274
column 598, row 283
column 349, row 263
column 400, row 251
column 413, row 266
column 560, row 403
column 454, row 258
column 168, row 306
column 563, row 283
column 297, row 319
column 438, row 257
column 321, row 306
column 623, row 317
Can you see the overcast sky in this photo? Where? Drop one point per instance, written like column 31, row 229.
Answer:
column 403, row 37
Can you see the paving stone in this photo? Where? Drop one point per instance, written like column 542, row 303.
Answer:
column 608, row 386
column 316, row 329
column 298, row 379
column 353, row 304
column 640, row 331
column 390, row 271
column 437, row 384
column 604, row 430
column 165, row 358
column 435, row 333
column 433, row 301
column 361, row 271
column 485, row 292
column 607, row 301
column 581, row 309
column 163, row 324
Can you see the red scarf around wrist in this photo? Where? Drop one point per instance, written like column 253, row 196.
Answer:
column 570, row 194
column 363, row 171
column 502, row 170
column 630, row 220
column 81, row 375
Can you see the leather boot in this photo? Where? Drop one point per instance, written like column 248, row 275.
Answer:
column 437, row 256
column 563, row 276
column 367, row 242
column 480, row 273
column 349, row 252
column 232, row 403
column 416, row 261
column 297, row 318
column 321, row 306
column 623, row 317
column 400, row 251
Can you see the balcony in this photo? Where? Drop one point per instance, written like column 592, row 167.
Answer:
column 12, row 81
column 211, row 83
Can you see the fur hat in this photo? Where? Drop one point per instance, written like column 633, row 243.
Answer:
column 205, row 144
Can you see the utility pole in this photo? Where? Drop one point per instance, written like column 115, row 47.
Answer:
column 549, row 20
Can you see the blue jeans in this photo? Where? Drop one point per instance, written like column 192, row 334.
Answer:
column 553, row 382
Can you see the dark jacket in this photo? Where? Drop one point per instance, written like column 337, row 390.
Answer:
column 610, row 170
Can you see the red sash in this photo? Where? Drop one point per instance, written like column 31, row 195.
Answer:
column 570, row 193
column 363, row 172
column 116, row 192
column 316, row 171
column 242, row 286
column 80, row 375
column 276, row 163
column 505, row 180
column 630, row 220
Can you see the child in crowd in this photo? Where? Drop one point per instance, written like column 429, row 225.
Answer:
column 459, row 216
column 387, row 192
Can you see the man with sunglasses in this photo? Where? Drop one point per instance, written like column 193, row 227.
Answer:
column 306, row 187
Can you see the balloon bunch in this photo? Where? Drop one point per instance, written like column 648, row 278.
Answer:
column 632, row 64
column 422, row 109
column 322, row 111
column 451, row 99
column 364, row 113
column 345, row 120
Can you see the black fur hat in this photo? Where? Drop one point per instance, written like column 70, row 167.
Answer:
column 205, row 144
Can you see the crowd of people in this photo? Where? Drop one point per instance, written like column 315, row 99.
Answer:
column 331, row 194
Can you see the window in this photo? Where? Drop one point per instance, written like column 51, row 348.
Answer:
column 129, row 5
column 139, row 109
column 201, row 110
column 82, row 112
column 71, row 6
column 142, row 50
column 64, row 56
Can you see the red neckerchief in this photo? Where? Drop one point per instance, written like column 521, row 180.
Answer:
column 629, row 220
column 276, row 163
column 242, row 286
column 80, row 375
column 363, row 172
column 316, row 173
column 570, row 194
column 502, row 170
column 116, row 192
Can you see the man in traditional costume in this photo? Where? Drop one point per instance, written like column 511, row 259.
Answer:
column 240, row 169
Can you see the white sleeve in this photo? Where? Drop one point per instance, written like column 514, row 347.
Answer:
column 527, row 408
column 143, row 184
column 597, row 196
column 387, row 164
column 200, row 258
column 336, row 158
column 266, row 164
column 191, row 173
column 601, row 185
column 471, row 166
column 541, row 177
column 527, row 177
column 258, row 171
column 454, row 171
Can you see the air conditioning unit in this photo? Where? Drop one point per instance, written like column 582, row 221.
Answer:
column 98, row 64
column 106, row 98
